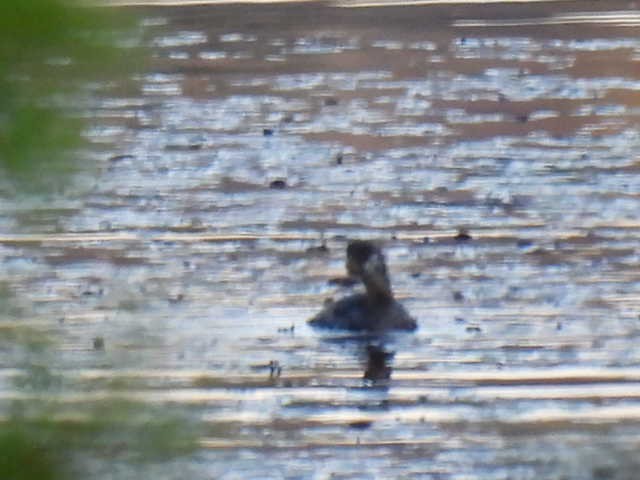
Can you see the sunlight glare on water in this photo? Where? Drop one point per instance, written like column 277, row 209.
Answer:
column 259, row 135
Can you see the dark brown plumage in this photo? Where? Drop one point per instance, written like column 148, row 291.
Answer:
column 375, row 310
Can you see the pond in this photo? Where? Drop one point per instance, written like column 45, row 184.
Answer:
column 260, row 139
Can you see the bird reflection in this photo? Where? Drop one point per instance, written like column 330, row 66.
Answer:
column 377, row 365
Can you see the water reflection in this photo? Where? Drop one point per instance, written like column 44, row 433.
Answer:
column 188, row 263
column 377, row 365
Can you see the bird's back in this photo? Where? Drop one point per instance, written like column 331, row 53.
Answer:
column 357, row 313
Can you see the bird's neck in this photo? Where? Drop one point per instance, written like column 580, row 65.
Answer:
column 378, row 288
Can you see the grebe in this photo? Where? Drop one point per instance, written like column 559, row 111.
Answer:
column 376, row 310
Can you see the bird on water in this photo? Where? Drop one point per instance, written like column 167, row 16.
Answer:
column 375, row 310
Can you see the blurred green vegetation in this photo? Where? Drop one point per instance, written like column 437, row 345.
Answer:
column 49, row 52
column 50, row 442
column 56, row 426
column 8, row 306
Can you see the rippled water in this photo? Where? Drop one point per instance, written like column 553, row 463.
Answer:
column 402, row 125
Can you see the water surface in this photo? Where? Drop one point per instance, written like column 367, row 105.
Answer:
column 518, row 123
